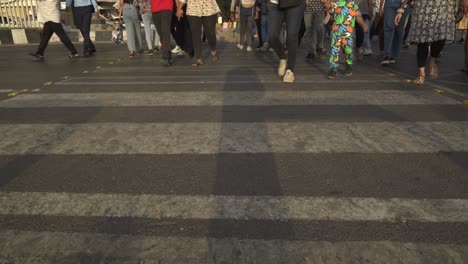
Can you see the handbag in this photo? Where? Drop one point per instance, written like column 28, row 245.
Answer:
column 290, row 3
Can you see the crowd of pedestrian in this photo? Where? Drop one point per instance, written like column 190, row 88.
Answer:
column 281, row 26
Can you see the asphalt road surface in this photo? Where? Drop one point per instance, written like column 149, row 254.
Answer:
column 116, row 160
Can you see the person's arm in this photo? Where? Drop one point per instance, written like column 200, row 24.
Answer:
column 362, row 23
column 401, row 11
column 121, row 6
column 96, row 8
column 180, row 11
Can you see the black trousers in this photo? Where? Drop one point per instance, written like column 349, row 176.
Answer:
column 180, row 30
column 209, row 28
column 258, row 22
column 162, row 21
column 82, row 16
column 423, row 51
column 48, row 30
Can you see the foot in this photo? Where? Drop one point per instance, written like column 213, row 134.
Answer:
column 199, row 62
column 367, row 52
column 310, row 56
column 157, row 50
column 321, row 51
column 150, row 52
column 359, row 55
column 37, row 56
column 131, row 54
column 167, row 62
column 385, row 61
column 392, row 60
column 239, row 46
column 282, row 68
column 249, row 48
column 288, row 77
column 176, row 50
column 332, row 74
column 73, row 55
column 214, row 57
column 419, row 80
column 348, row 71
column 433, row 69
column 265, row 47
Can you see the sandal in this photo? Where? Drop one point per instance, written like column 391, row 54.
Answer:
column 198, row 63
column 419, row 80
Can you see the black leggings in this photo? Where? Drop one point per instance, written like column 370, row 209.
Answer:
column 423, row 51
column 49, row 29
column 209, row 28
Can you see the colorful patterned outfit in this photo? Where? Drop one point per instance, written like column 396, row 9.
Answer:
column 345, row 13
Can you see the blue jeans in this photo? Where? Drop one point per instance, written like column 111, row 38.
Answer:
column 315, row 29
column 293, row 18
column 393, row 35
column 147, row 21
column 133, row 26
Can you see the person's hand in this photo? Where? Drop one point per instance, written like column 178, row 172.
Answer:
column 365, row 28
column 180, row 14
column 232, row 16
column 97, row 14
column 237, row 17
column 398, row 18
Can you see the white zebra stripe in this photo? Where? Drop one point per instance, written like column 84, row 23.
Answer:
column 213, row 138
column 219, row 98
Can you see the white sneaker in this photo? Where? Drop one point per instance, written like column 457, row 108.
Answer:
column 288, row 77
column 282, row 68
column 367, row 52
column 249, row 48
column 240, row 46
column 176, row 50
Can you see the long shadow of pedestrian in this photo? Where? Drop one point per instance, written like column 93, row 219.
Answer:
column 246, row 167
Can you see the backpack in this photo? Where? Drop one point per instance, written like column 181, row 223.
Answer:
column 247, row 3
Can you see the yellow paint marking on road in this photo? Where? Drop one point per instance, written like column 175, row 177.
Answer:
column 408, row 81
column 391, row 74
column 465, row 102
column 111, row 62
column 66, row 77
column 438, row 90
column 35, row 90
column 13, row 94
column 48, row 83
column 24, row 90
column 98, row 67
column 85, row 72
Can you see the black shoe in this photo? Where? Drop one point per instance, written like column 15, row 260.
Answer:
column 37, row 56
column 167, row 62
column 150, row 52
column 332, row 74
column 348, row 71
column 310, row 56
column 392, row 60
column 157, row 51
column 73, row 56
column 92, row 51
column 131, row 54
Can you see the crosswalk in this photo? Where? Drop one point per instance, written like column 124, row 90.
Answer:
column 137, row 163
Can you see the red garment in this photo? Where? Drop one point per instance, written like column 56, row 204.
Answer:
column 161, row 5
